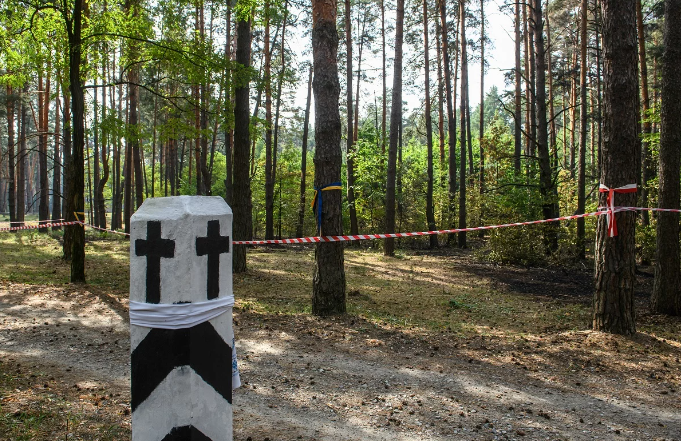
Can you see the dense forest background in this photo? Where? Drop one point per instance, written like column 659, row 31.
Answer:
column 141, row 99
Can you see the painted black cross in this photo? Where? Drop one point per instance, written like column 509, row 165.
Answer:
column 213, row 245
column 154, row 248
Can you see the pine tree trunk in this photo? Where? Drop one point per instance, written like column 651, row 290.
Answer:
column 395, row 118
column 75, row 173
column 482, row 100
column 269, row 169
column 303, row 164
column 430, row 208
column 384, row 115
column 229, row 132
column 451, row 118
column 613, row 306
column 518, row 116
column 11, row 158
column 461, row 239
column 242, row 180
column 546, row 183
column 581, row 177
column 95, row 204
column 101, row 184
column 552, row 112
column 645, row 102
column 349, row 142
column 68, row 142
column 57, row 163
column 43, row 105
column 21, row 160
column 280, row 83
column 328, row 281
column 666, row 297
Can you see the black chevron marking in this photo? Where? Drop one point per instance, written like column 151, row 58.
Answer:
column 185, row 433
column 162, row 350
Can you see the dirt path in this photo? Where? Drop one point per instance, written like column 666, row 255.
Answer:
column 347, row 379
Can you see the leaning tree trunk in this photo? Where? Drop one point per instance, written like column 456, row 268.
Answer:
column 243, row 228
column 328, row 281
column 666, row 297
column 395, row 118
column 613, row 305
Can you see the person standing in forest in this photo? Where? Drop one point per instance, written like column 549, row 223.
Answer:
column 613, row 304
column 328, row 282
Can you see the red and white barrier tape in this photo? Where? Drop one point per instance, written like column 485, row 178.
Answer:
column 35, row 227
column 397, row 235
column 107, row 231
column 602, row 211
column 60, row 224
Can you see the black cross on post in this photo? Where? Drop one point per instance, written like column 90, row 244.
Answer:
column 154, row 248
column 213, row 245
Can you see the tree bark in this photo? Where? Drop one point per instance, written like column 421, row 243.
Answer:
column 395, row 118
column 229, row 132
column 613, row 306
column 518, row 115
column 384, row 115
column 303, row 164
column 21, row 160
column 430, row 206
column 350, row 141
column 546, row 185
column 451, row 119
column 66, row 202
column 581, row 176
column 57, row 162
column 11, row 158
column 75, row 173
column 645, row 102
column 269, row 168
column 101, row 184
column 482, row 98
column 328, row 280
column 43, row 105
column 243, row 228
column 666, row 297
column 461, row 239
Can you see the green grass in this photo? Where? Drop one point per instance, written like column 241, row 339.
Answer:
column 36, row 259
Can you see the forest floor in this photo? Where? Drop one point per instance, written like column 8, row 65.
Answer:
column 435, row 346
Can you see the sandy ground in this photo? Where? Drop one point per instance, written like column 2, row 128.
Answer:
column 348, row 379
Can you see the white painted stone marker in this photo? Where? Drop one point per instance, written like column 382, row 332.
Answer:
column 183, row 364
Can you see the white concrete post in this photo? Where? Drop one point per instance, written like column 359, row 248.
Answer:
column 183, row 367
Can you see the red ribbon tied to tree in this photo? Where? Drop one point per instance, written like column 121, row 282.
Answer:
column 612, row 223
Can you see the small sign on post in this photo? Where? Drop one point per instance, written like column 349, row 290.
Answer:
column 183, row 363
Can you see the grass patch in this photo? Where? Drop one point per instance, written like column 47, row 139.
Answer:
column 35, row 407
column 37, row 259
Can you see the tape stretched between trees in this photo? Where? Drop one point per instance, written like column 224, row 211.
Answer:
column 321, row 239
